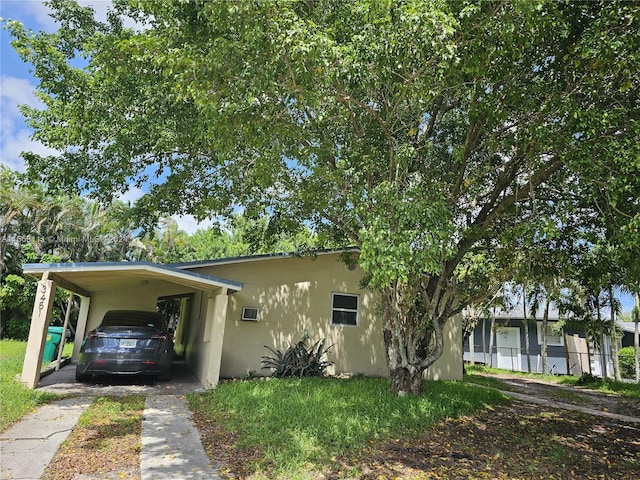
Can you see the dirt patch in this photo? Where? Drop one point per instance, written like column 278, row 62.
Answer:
column 220, row 446
column 520, row 440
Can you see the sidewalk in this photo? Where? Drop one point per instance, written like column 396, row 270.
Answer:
column 28, row 446
column 171, row 446
column 570, row 406
column 581, row 399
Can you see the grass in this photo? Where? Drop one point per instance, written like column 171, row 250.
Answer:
column 106, row 441
column 475, row 375
column 471, row 369
column 15, row 400
column 302, row 424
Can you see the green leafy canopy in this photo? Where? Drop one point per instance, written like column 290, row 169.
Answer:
column 419, row 131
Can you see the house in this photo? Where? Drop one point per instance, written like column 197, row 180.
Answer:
column 508, row 348
column 226, row 311
column 627, row 331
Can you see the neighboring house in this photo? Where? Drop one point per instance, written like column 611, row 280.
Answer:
column 627, row 329
column 509, row 345
column 226, row 311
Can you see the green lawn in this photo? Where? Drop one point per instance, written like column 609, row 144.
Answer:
column 301, row 424
column 15, row 400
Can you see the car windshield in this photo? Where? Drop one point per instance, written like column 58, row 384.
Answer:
column 132, row 318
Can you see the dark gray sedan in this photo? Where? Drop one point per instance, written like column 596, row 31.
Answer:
column 127, row 342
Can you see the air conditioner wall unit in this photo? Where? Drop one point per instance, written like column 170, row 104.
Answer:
column 250, row 314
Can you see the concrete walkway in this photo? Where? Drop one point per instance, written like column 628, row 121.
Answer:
column 570, row 406
column 171, row 446
column 28, row 446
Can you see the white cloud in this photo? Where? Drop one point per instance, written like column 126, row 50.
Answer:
column 101, row 7
column 34, row 14
column 186, row 223
column 131, row 195
column 15, row 137
column 17, row 142
column 14, row 92
column 189, row 224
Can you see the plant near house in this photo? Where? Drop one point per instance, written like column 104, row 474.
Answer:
column 298, row 360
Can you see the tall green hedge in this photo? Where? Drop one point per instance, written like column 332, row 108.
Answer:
column 627, row 362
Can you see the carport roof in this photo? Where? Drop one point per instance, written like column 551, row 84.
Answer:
column 86, row 278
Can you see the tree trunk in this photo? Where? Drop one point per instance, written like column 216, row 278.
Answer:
column 636, row 336
column 636, row 348
column 484, row 340
column 407, row 380
column 526, row 327
column 492, row 333
column 614, row 338
column 545, row 323
column 603, row 350
column 413, row 337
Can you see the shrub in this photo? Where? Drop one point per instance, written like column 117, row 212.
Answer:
column 627, row 362
column 16, row 328
column 298, row 360
column 589, row 379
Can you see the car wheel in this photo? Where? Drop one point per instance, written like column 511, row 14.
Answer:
column 165, row 377
column 82, row 377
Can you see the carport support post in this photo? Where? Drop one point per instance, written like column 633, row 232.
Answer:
column 45, row 294
column 63, row 340
column 216, row 318
column 83, row 315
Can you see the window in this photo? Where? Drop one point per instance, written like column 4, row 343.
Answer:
column 250, row 314
column 554, row 336
column 344, row 309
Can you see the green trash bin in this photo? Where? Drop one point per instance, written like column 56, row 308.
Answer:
column 54, row 335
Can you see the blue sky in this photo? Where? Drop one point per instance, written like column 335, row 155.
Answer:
column 17, row 86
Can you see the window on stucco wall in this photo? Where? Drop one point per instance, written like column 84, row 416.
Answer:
column 345, row 309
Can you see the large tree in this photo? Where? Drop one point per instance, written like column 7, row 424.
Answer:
column 414, row 130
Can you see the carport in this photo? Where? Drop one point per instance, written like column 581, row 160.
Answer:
column 133, row 285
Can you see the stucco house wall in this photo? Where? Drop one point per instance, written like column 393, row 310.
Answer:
column 294, row 298
column 143, row 297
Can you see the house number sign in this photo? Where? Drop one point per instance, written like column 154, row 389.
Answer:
column 43, row 297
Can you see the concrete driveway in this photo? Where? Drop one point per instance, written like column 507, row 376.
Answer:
column 171, row 445
column 63, row 381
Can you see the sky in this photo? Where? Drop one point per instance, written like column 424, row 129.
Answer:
column 17, row 87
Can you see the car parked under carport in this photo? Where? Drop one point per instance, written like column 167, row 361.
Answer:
column 127, row 342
